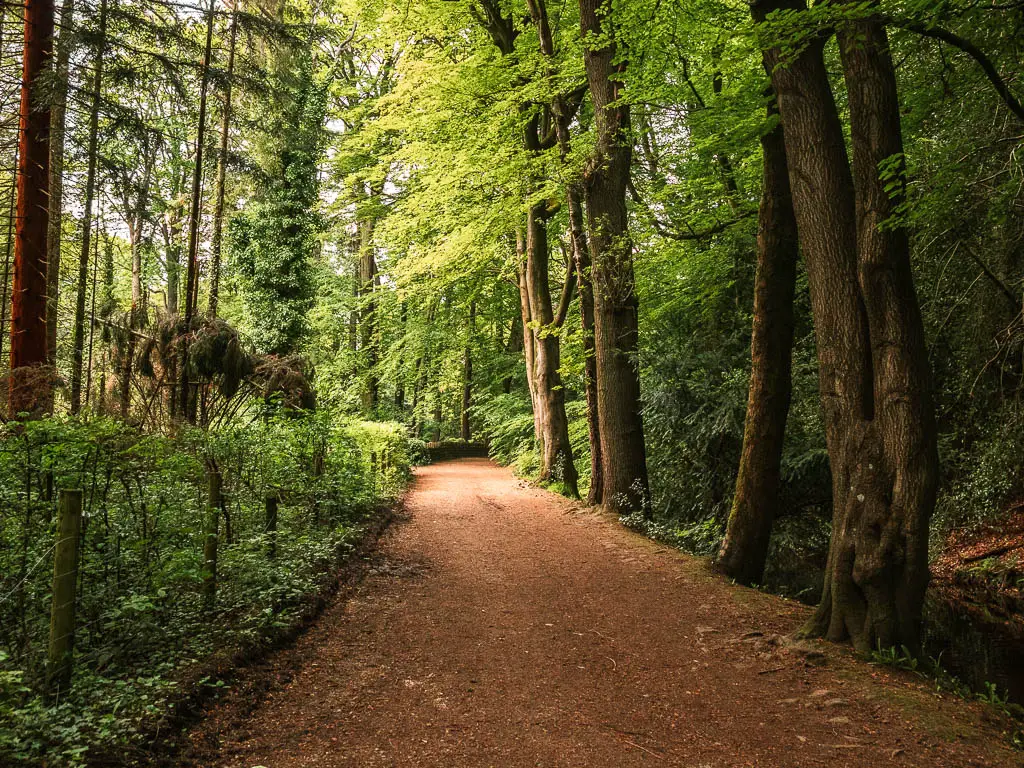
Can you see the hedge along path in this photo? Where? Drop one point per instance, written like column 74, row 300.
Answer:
column 501, row 625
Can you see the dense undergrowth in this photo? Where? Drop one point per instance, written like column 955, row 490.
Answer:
column 143, row 628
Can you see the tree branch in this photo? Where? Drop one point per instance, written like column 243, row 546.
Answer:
column 971, row 50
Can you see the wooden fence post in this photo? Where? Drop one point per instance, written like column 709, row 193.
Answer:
column 65, row 581
column 212, row 528
column 271, row 524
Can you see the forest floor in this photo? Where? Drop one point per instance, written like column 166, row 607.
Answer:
column 501, row 625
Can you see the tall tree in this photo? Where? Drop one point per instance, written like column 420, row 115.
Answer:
column 755, row 504
column 28, row 309
column 623, row 452
column 872, row 364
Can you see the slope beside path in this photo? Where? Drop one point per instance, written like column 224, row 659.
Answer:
column 500, row 625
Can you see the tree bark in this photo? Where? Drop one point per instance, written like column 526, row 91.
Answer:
column 878, row 564
column 28, row 293
column 623, row 454
column 78, row 359
column 755, row 505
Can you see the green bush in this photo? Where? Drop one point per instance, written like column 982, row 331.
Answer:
column 141, row 621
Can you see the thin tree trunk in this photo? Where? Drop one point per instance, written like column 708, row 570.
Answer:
column 78, row 358
column 188, row 403
column 467, row 377
column 12, row 216
column 222, row 164
column 755, row 505
column 368, row 314
column 58, row 120
column 92, row 319
column 400, row 375
column 514, row 347
column 623, row 453
column 581, row 260
column 137, row 316
column 529, row 343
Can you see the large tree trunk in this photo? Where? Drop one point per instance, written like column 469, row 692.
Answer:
column 556, row 451
column 755, row 505
column 28, row 308
column 623, row 454
column 873, row 375
column 58, row 120
column 878, row 565
column 78, row 359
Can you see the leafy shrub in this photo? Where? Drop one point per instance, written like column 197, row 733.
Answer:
column 141, row 621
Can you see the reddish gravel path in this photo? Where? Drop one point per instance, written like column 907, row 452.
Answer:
column 502, row 626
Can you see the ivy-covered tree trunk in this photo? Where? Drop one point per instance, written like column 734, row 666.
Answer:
column 755, row 504
column 872, row 365
column 623, row 453
column 137, row 314
column 28, row 307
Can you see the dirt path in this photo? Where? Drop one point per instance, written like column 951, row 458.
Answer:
column 500, row 626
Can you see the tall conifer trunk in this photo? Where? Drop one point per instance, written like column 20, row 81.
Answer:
column 28, row 293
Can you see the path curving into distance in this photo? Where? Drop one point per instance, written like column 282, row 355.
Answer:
column 502, row 626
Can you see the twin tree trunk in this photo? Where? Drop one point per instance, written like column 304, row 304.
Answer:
column 29, row 291
column 755, row 505
column 873, row 371
column 623, row 455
